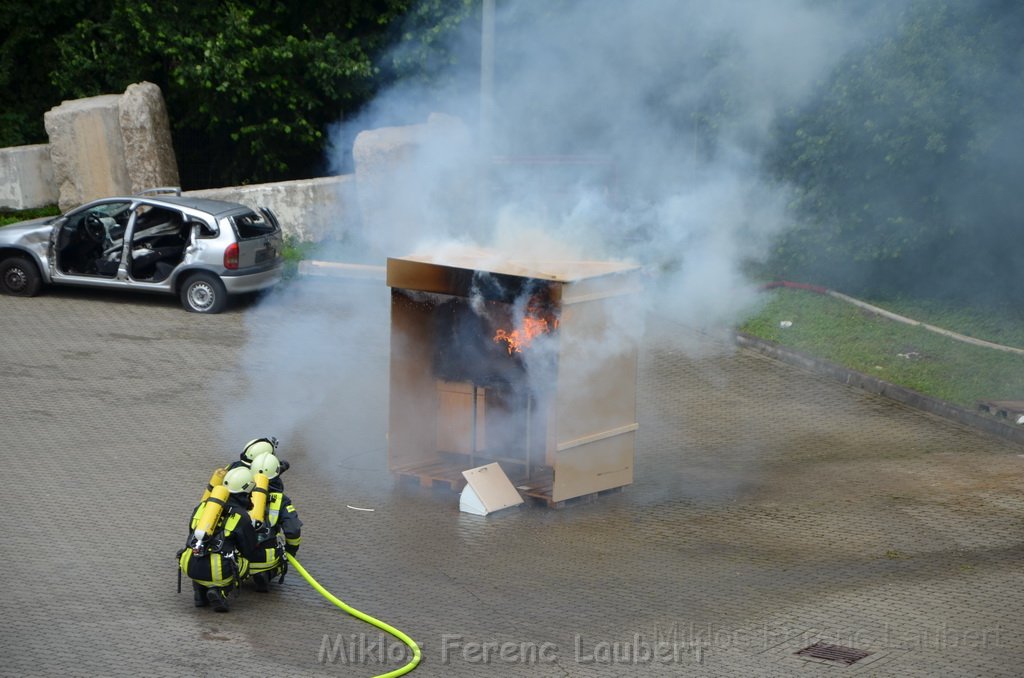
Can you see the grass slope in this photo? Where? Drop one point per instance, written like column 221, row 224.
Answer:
column 910, row 356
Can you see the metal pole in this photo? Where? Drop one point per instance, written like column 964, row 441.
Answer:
column 529, row 442
column 472, row 446
column 487, row 77
column 485, row 129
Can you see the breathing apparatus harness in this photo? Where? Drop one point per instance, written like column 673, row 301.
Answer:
column 202, row 544
column 264, row 512
column 209, row 532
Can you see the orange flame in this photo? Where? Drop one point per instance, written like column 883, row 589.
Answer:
column 532, row 327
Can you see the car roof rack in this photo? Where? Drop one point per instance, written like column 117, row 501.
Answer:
column 176, row 190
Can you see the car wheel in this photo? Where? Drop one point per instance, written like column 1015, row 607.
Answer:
column 203, row 293
column 20, row 277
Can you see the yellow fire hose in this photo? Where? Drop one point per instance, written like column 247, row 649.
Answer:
column 366, row 618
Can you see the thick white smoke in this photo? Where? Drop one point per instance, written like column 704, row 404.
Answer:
column 626, row 131
column 629, row 130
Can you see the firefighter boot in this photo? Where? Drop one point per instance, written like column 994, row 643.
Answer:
column 199, row 595
column 261, row 580
column 218, row 598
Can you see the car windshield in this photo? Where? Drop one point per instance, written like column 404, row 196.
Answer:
column 110, row 209
column 251, row 225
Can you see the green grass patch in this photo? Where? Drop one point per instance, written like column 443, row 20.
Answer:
column 7, row 218
column 902, row 354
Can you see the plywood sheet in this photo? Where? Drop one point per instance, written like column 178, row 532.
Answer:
column 455, row 418
column 594, row 467
column 492, row 487
column 412, row 413
column 428, row 271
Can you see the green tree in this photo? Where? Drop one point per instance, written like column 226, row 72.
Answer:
column 252, row 86
column 249, row 85
column 901, row 165
column 27, row 52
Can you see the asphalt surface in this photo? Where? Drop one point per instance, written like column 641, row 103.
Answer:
column 773, row 509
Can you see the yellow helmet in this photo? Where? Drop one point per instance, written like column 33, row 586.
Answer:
column 258, row 446
column 239, row 479
column 267, row 464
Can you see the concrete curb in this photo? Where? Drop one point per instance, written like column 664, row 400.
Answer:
column 875, row 385
column 334, row 269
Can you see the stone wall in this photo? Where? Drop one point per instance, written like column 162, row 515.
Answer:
column 120, row 144
column 310, row 210
column 26, row 178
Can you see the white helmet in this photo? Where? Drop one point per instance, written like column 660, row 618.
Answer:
column 258, row 446
column 267, row 464
column 239, row 479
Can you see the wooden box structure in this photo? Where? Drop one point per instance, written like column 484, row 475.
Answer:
column 532, row 366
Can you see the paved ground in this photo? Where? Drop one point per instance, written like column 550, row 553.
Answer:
column 773, row 509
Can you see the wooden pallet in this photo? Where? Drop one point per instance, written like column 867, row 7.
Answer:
column 437, row 474
column 542, row 496
column 447, row 471
column 537, row 490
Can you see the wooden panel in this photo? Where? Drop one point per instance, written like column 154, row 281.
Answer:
column 622, row 283
column 412, row 415
column 452, row 280
column 455, row 418
column 597, row 368
column 427, row 271
column 594, row 437
column 594, row 467
column 492, row 487
column 414, row 276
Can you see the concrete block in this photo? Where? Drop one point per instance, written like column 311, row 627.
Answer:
column 415, row 179
column 87, row 150
column 146, row 133
column 26, row 177
column 111, row 144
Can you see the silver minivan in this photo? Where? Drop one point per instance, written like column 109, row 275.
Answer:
column 158, row 241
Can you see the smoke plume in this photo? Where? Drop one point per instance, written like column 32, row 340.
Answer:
column 620, row 132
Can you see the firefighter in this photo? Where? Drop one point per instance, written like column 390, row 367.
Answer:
column 257, row 447
column 280, row 526
column 221, row 541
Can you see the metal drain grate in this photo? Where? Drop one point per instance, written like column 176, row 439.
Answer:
column 834, row 653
